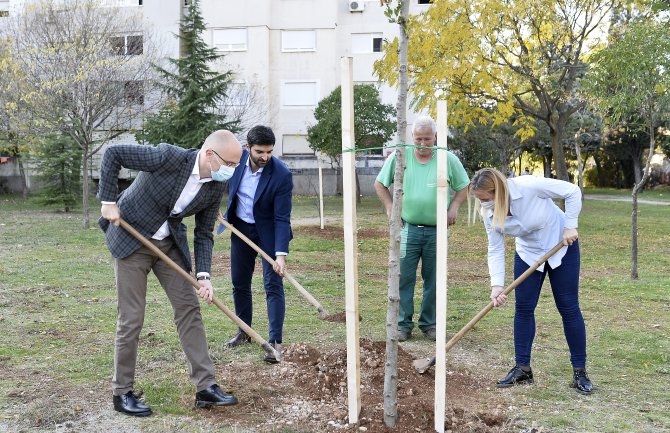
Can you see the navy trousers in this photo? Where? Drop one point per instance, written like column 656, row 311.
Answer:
column 242, row 264
column 565, row 287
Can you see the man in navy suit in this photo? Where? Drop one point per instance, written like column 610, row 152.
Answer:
column 173, row 183
column 259, row 206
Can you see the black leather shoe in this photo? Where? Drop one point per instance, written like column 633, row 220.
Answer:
column 270, row 357
column 516, row 376
column 129, row 404
column 238, row 340
column 581, row 382
column 213, row 396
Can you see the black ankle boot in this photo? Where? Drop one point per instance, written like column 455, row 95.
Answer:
column 516, row 376
column 581, row 382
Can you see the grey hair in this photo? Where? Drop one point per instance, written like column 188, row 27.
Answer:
column 422, row 122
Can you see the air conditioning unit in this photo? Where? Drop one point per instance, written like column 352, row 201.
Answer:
column 356, row 5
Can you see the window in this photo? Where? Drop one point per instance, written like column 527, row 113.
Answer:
column 230, row 39
column 133, row 92
column 127, row 45
column 298, row 40
column 121, row 3
column 362, row 43
column 425, row 2
column 294, row 144
column 300, row 93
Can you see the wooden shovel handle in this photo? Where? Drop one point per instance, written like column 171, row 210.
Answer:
column 269, row 259
column 239, row 322
column 460, row 334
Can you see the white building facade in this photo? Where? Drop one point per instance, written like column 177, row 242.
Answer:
column 285, row 53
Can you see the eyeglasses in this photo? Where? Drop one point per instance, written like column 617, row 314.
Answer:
column 224, row 162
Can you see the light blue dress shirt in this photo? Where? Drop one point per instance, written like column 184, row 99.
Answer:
column 246, row 193
column 245, row 196
column 535, row 221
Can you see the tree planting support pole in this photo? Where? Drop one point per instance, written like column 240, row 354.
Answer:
column 441, row 268
column 322, row 217
column 350, row 240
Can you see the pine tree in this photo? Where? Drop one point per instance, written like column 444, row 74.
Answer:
column 195, row 92
column 60, row 171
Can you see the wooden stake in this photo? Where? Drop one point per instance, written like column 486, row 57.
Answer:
column 321, row 216
column 441, row 268
column 350, row 241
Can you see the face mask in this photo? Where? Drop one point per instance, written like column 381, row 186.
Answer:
column 223, row 174
column 487, row 204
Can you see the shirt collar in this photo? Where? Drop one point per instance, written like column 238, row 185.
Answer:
column 196, row 171
column 258, row 172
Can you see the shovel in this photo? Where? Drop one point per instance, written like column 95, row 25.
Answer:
column 246, row 328
column 322, row 312
column 423, row 364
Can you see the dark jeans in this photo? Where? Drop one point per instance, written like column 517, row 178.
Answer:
column 417, row 243
column 242, row 264
column 565, row 287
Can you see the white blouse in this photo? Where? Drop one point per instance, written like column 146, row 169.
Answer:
column 535, row 221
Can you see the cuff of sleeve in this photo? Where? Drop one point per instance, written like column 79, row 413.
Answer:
column 202, row 274
column 571, row 223
column 498, row 281
column 107, row 202
column 281, row 253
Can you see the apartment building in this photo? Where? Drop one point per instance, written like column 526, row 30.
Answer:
column 285, row 55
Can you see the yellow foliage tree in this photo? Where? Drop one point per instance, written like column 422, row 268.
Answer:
column 502, row 60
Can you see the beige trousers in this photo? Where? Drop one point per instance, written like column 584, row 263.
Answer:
column 131, row 285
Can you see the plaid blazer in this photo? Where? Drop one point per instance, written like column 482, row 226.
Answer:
column 149, row 200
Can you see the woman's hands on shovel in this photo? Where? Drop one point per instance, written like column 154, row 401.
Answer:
column 497, row 295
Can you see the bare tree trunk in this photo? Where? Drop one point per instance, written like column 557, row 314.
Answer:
column 580, row 168
column 391, row 366
column 638, row 187
column 358, row 188
column 22, row 174
column 556, row 128
column 637, row 168
column 85, row 190
column 547, row 165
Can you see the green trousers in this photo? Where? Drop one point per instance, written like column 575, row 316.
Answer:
column 417, row 243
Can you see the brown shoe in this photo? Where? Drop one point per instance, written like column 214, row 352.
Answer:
column 270, row 357
column 238, row 340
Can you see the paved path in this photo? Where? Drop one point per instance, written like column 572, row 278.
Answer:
column 627, row 199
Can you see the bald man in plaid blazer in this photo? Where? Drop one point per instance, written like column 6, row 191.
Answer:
column 173, row 184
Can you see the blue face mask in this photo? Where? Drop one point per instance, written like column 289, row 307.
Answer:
column 223, row 174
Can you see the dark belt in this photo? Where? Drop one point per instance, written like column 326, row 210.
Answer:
column 420, row 225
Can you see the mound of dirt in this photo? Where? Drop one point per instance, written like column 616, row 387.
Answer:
column 310, row 394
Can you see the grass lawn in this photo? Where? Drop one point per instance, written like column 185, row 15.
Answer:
column 58, row 314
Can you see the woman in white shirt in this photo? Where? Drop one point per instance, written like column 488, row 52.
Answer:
column 523, row 207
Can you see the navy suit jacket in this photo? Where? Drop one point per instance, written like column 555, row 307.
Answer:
column 272, row 204
column 149, row 200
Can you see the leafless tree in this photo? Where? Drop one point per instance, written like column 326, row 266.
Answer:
column 87, row 72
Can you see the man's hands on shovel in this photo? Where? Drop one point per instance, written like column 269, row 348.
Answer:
column 112, row 213
column 206, row 291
